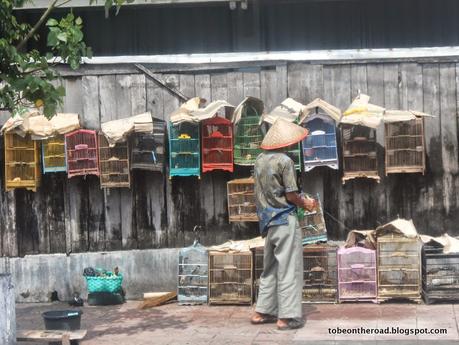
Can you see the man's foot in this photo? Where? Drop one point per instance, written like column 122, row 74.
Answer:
column 259, row 319
column 286, row 324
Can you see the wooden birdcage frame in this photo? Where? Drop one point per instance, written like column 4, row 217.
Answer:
column 147, row 149
column 22, row 162
column 399, row 268
column 258, row 259
column 360, row 159
column 248, row 136
column 405, row 146
column 217, row 144
column 320, row 149
column 440, row 275
column 184, row 149
column 82, row 153
column 114, row 164
column 312, row 224
column 230, row 278
column 357, row 274
column 53, row 155
column 320, row 273
column 192, row 275
column 241, row 200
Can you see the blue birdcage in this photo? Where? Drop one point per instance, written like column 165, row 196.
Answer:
column 53, row 155
column 184, row 152
column 192, row 275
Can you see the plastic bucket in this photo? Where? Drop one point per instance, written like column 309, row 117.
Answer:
column 68, row 320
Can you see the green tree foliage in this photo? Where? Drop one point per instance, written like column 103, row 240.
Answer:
column 27, row 76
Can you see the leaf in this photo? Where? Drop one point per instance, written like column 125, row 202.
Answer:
column 52, row 39
column 49, row 56
column 78, row 21
column 62, row 36
column 89, row 52
column 108, row 4
column 52, row 22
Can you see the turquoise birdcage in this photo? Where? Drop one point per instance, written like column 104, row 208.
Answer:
column 184, row 152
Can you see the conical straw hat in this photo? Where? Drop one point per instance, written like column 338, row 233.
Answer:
column 283, row 134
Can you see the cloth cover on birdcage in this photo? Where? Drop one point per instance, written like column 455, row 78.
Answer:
column 362, row 113
column 289, row 110
column 255, row 103
column 118, row 130
column 449, row 244
column 327, row 108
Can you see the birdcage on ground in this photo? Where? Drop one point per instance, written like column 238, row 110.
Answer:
column 53, row 155
column 241, row 200
column 82, row 153
column 147, row 149
column 114, row 164
column 22, row 162
column 357, row 274
column 312, row 223
column 192, row 275
column 230, row 278
column 184, row 150
column 399, row 268
column 258, row 254
column 320, row 276
column 217, row 144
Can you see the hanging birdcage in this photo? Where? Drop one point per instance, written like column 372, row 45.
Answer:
column 230, row 278
column 217, row 144
column 53, row 155
column 22, row 162
column 241, row 200
column 192, row 275
column 312, row 224
column 357, row 274
column 147, row 149
column 320, row 279
column 82, row 153
column 184, row 152
column 114, row 164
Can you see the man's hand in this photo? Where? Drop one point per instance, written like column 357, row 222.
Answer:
column 309, row 204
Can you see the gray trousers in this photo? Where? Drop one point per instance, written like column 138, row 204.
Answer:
column 281, row 283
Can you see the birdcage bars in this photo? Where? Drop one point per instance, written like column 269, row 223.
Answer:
column 114, row 164
column 312, row 224
column 22, row 162
column 192, row 275
column 440, row 275
column 53, row 155
column 405, row 147
column 230, row 278
column 248, row 137
column 320, row 276
column 258, row 255
column 184, row 152
column 399, row 268
column 357, row 274
column 241, row 200
column 147, row 149
column 217, row 144
column 359, row 152
column 320, row 146
column 82, row 153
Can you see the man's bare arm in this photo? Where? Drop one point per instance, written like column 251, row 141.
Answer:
column 299, row 201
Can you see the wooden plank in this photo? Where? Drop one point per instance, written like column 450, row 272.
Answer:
column 410, row 86
column 138, row 94
column 305, row 82
column 155, row 299
column 235, row 88
column 155, row 103
column 46, row 336
column 90, row 97
column 269, row 89
column 359, row 80
column 8, row 314
column 202, row 86
column 251, row 84
column 218, row 86
column 73, row 96
column 282, row 82
column 187, row 85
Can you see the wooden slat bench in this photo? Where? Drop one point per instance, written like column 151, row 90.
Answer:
column 48, row 336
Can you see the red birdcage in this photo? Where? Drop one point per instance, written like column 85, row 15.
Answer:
column 82, row 153
column 217, row 144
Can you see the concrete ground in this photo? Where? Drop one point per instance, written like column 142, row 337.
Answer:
column 174, row 324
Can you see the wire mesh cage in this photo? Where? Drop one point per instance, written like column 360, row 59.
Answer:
column 312, row 224
column 53, row 155
column 440, row 275
column 230, row 278
column 248, row 137
column 258, row 254
column 357, row 274
column 241, row 200
column 147, row 149
column 405, row 147
column 399, row 268
column 192, row 275
column 184, row 152
column 114, row 164
column 22, row 162
column 320, row 276
column 217, row 144
column 359, row 152
column 82, row 153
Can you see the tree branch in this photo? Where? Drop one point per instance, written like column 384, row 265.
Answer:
column 37, row 25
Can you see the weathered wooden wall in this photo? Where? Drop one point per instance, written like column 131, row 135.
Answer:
column 76, row 215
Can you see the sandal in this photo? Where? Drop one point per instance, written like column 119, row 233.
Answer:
column 264, row 319
column 292, row 324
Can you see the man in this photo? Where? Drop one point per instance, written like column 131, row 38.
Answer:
column 276, row 190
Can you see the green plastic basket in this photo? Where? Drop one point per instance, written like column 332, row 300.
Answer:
column 109, row 283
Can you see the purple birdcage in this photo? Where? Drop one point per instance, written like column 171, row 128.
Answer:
column 357, row 274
